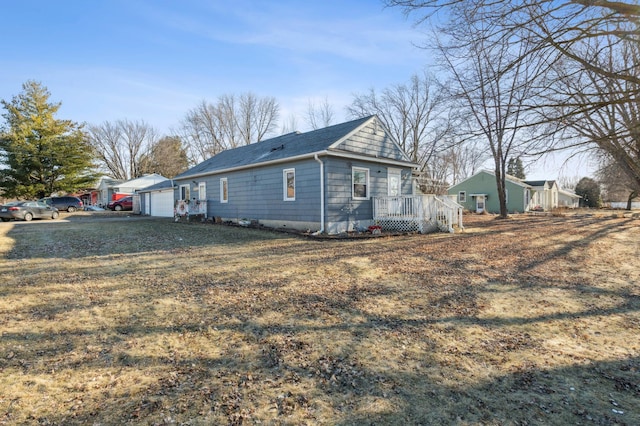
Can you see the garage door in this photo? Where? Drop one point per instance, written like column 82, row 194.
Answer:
column 162, row 203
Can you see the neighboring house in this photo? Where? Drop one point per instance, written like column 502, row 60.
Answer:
column 479, row 193
column 568, row 199
column 133, row 185
column 544, row 194
column 323, row 180
column 104, row 191
column 157, row 200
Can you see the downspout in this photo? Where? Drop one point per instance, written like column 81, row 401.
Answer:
column 315, row 156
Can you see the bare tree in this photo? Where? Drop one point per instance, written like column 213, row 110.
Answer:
column 289, row 125
column 568, row 182
column 265, row 118
column 166, row 157
column 494, row 88
column 416, row 114
column 120, row 146
column 319, row 116
column 615, row 183
column 209, row 128
column 463, row 160
column 572, row 35
column 598, row 111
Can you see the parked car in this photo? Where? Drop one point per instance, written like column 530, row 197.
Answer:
column 124, row 203
column 68, row 203
column 27, row 210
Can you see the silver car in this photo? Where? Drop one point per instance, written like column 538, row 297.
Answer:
column 27, row 210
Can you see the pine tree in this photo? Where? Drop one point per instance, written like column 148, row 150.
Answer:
column 515, row 168
column 41, row 154
column 589, row 190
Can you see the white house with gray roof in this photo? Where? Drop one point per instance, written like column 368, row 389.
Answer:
column 323, row 180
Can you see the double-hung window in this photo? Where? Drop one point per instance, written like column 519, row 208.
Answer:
column 360, row 183
column 202, row 191
column 462, row 196
column 289, row 184
column 224, row 190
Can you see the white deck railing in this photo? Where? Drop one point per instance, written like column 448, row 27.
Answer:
column 421, row 213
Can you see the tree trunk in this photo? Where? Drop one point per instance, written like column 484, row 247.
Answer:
column 633, row 195
column 500, row 182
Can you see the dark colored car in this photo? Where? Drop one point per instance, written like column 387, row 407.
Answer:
column 124, row 203
column 68, row 203
column 27, row 210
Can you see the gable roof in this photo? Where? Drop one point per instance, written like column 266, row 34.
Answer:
column 286, row 147
column 507, row 177
column 568, row 193
column 549, row 183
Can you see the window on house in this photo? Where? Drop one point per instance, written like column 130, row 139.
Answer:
column 462, row 196
column 360, row 187
column 185, row 192
column 202, row 191
column 289, row 184
column 224, row 190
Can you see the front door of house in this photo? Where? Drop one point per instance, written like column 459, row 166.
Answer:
column 394, row 185
column 394, row 182
column 480, row 201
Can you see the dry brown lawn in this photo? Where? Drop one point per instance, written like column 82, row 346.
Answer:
column 531, row 320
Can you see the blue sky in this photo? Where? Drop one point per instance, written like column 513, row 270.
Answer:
column 154, row 60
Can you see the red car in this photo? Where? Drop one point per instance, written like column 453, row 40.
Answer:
column 124, row 203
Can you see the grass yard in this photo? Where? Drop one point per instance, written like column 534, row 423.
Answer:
column 526, row 321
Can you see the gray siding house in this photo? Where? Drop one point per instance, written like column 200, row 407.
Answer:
column 323, row 180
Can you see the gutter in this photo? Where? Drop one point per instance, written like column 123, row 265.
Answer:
column 321, row 231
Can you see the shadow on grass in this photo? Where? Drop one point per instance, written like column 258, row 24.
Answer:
column 251, row 343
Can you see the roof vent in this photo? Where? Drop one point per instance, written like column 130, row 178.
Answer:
column 277, row 148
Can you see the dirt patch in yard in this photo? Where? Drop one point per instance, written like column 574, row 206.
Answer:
column 529, row 320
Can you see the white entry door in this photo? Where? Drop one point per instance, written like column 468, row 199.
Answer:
column 394, row 184
column 480, row 203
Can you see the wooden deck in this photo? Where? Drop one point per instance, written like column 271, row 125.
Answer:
column 417, row 213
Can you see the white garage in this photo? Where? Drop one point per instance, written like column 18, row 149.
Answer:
column 157, row 200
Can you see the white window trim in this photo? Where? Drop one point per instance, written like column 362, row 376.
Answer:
column 224, row 182
column 462, row 196
column 202, row 191
column 368, row 187
column 285, row 188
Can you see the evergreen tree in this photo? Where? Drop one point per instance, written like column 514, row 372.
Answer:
column 515, row 168
column 41, row 154
column 589, row 190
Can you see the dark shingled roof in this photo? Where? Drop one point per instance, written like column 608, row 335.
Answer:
column 538, row 182
column 278, row 148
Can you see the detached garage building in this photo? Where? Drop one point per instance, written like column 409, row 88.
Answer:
column 157, row 200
